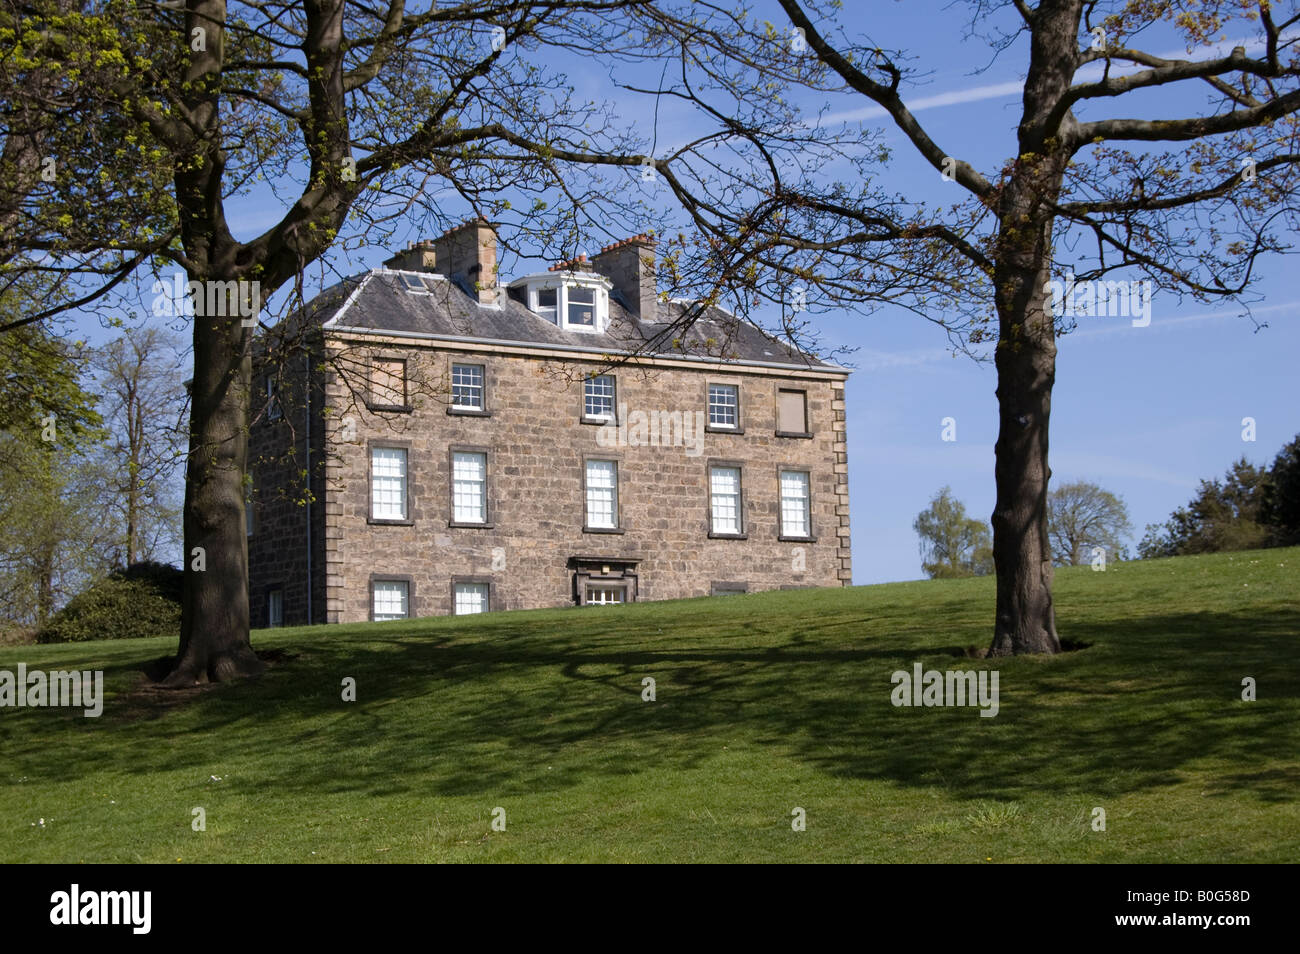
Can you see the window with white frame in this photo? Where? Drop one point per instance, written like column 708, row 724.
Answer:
column 275, row 608
column 598, row 398
column 469, row 487
column 387, row 483
column 390, row 599
column 581, row 306
column 724, row 405
column 470, row 598
column 467, row 387
column 547, row 300
column 600, row 595
column 724, row 499
column 602, row 494
column 795, row 517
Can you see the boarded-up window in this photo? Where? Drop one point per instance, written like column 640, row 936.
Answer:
column 388, row 382
column 791, row 412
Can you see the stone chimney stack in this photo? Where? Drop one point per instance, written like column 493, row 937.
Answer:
column 468, row 254
column 414, row 258
column 630, row 266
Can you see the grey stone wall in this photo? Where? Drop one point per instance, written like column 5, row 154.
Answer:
column 537, row 445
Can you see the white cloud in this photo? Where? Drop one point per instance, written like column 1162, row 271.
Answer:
column 869, row 359
column 1114, row 326
column 1103, row 466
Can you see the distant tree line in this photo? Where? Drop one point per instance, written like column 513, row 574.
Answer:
column 1250, row 508
column 1082, row 519
column 89, row 446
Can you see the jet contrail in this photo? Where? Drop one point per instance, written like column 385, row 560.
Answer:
column 975, row 94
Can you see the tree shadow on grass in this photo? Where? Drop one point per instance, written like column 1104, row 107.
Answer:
column 520, row 708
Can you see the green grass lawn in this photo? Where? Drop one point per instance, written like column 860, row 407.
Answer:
column 764, row 703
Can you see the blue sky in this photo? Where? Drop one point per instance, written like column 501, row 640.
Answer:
column 1145, row 412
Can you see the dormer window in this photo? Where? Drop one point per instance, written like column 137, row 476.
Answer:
column 577, row 303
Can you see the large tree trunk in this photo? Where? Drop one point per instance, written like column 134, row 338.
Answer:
column 214, row 642
column 1026, row 354
column 1025, row 619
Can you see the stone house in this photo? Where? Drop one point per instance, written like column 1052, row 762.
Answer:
column 433, row 441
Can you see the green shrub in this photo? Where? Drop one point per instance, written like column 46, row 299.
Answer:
column 142, row 600
column 16, row 634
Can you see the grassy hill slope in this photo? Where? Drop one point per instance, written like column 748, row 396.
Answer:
column 764, row 703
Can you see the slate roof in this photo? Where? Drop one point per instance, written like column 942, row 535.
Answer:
column 378, row 301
